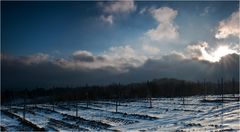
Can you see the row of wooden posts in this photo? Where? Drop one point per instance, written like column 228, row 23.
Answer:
column 220, row 85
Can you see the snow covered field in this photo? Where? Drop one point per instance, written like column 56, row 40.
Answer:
column 167, row 114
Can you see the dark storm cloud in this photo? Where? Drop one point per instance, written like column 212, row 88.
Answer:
column 16, row 74
column 19, row 74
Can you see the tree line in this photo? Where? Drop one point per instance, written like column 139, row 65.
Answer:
column 165, row 87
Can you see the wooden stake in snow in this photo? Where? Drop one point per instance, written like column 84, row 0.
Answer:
column 233, row 87
column 204, row 88
column 53, row 106
column 149, row 94
column 222, row 88
column 24, row 110
column 116, row 105
column 218, row 85
column 76, row 109
column 119, row 94
column 11, row 102
column 53, row 103
column 183, row 100
column 222, row 100
column 183, row 94
column 87, row 99
column 150, row 102
column 24, row 104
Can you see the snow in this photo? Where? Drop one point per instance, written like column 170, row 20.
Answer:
column 167, row 114
column 12, row 124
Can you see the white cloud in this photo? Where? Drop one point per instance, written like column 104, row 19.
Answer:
column 229, row 27
column 124, row 57
column 5, row 56
column 28, row 59
column 164, row 14
column 143, row 10
column 107, row 19
column 205, row 11
column 118, row 6
column 82, row 52
column 195, row 50
column 118, row 58
column 150, row 49
column 202, row 51
column 173, row 57
column 166, row 29
column 236, row 47
column 121, row 51
column 83, row 55
column 113, row 8
column 163, row 32
column 34, row 59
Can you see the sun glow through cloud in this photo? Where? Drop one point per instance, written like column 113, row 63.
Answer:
column 217, row 54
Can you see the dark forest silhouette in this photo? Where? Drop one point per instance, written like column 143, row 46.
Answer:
column 155, row 88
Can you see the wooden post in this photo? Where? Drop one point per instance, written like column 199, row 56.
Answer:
column 218, row 86
column 87, row 99
column 76, row 109
column 233, row 87
column 24, row 104
column 116, row 105
column 53, row 103
column 10, row 106
column 183, row 93
column 53, row 106
column 150, row 102
column 11, row 100
column 119, row 93
column 222, row 88
column 222, row 75
column 149, row 94
column 24, row 109
column 183, row 100
column 204, row 88
column 35, row 102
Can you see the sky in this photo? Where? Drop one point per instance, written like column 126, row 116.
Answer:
column 97, row 42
